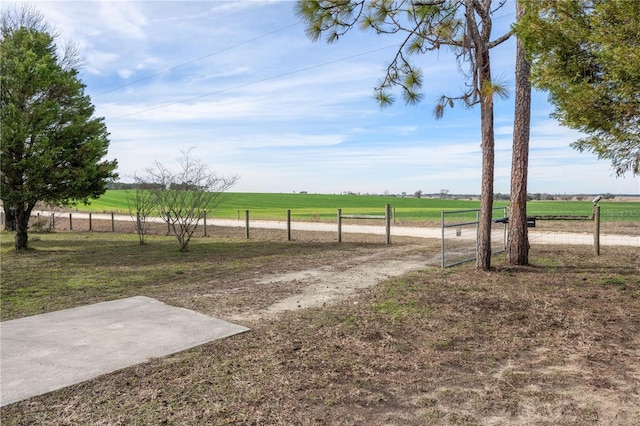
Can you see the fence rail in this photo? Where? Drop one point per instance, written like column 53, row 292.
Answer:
column 386, row 217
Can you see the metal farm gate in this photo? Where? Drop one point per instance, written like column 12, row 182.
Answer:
column 460, row 234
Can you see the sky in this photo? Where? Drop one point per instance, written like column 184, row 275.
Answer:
column 240, row 84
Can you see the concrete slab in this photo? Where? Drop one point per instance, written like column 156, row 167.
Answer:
column 46, row 352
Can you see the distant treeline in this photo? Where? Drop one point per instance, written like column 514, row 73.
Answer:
column 538, row 196
column 121, row 185
column 557, row 197
column 145, row 185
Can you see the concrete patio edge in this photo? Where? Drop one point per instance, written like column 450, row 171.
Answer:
column 46, row 352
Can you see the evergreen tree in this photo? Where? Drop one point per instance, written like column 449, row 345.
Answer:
column 52, row 146
column 586, row 54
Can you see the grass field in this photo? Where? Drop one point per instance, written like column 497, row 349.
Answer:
column 324, row 207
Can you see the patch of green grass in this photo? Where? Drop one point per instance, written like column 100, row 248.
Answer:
column 350, row 321
column 548, row 262
column 307, row 207
column 442, row 344
column 63, row 270
column 314, row 207
column 614, row 280
column 399, row 300
column 60, row 270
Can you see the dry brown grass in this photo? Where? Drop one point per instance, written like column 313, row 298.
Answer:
column 555, row 343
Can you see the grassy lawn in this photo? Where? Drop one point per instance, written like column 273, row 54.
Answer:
column 63, row 269
column 554, row 343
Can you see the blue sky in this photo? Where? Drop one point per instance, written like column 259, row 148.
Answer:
column 241, row 83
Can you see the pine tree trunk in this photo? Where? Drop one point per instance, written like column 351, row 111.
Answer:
column 483, row 259
column 518, row 242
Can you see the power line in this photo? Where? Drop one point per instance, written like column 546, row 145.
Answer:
column 254, row 82
column 196, row 60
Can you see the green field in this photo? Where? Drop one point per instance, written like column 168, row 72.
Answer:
column 324, row 207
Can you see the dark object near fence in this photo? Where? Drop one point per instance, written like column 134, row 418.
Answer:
column 531, row 221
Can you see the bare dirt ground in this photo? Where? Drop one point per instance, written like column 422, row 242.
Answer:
column 378, row 335
column 329, row 284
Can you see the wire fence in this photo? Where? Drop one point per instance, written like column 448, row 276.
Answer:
column 615, row 228
column 622, row 232
column 458, row 235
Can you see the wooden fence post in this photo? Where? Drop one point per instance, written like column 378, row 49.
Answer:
column 288, row 225
column 113, row 223
column 205, row 223
column 339, row 225
column 387, row 219
column 70, row 223
column 596, row 231
column 90, row 225
column 246, row 222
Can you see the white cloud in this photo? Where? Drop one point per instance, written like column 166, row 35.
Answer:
column 125, row 73
column 98, row 62
column 122, row 19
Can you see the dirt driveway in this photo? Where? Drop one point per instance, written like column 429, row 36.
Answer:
column 332, row 283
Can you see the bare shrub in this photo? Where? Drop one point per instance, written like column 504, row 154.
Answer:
column 142, row 203
column 185, row 196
